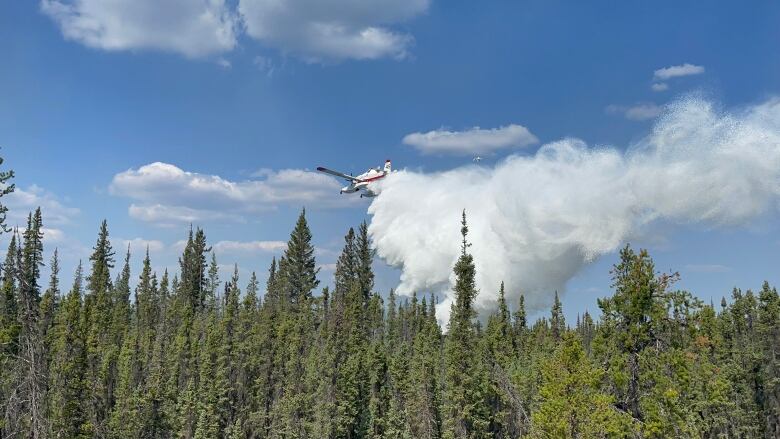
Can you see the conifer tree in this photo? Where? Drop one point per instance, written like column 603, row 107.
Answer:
column 193, row 281
column 147, row 312
column 50, row 300
column 769, row 333
column 364, row 256
column 68, row 390
column 425, row 399
column 498, row 333
column 499, row 352
column 9, row 325
column 26, row 405
column 5, row 189
column 247, row 355
column 630, row 313
column 9, row 329
column 299, row 269
column 465, row 404
column 519, row 324
column 99, row 342
column 296, row 278
column 182, row 360
column 572, row 404
column 265, row 385
column 557, row 321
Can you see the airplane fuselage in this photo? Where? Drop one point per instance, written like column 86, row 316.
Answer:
column 367, row 178
column 362, row 182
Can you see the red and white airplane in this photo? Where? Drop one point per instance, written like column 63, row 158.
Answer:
column 362, row 181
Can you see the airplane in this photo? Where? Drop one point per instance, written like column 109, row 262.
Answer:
column 361, row 182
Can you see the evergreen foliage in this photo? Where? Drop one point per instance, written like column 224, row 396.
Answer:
column 186, row 355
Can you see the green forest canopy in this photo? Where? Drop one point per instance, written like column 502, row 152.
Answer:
column 187, row 355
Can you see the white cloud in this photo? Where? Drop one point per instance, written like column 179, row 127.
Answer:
column 660, row 86
column 249, row 246
column 194, row 28
column 171, row 216
column 137, row 246
column 166, row 194
column 50, row 236
column 677, row 71
column 641, row 111
column 179, row 245
column 473, row 141
column 313, row 30
column 21, row 202
column 319, row 30
column 327, row 267
column 53, row 236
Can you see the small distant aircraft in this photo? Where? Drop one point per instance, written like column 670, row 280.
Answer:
column 361, row 181
column 477, row 159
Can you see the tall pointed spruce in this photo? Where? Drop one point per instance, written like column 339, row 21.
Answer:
column 465, row 407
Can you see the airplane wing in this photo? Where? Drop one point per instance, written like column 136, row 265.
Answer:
column 339, row 174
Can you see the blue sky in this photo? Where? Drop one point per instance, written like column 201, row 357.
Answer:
column 91, row 90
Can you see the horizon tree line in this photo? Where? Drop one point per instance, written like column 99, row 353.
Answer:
column 188, row 355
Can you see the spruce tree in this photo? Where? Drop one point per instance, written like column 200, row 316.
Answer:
column 26, row 406
column 465, row 404
column 181, row 360
column 9, row 330
column 101, row 352
column 769, row 332
column 193, row 281
column 572, row 404
column 68, row 388
column 50, row 299
column 265, row 385
column 5, row 189
column 557, row 321
column 630, row 313
column 364, row 256
column 9, row 325
column 499, row 353
column 299, row 269
column 424, row 410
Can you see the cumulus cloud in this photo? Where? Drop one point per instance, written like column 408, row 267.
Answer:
column 677, row 71
column 327, row 267
column 537, row 221
column 193, row 28
column 165, row 194
column 53, row 236
column 473, row 141
column 50, row 235
column 314, row 30
column 249, row 246
column 319, row 30
column 660, row 86
column 138, row 246
column 172, row 216
column 22, row 201
column 638, row 112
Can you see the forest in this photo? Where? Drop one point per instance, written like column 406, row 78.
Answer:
column 189, row 355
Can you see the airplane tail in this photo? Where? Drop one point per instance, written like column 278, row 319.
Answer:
column 388, row 166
